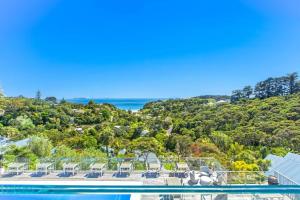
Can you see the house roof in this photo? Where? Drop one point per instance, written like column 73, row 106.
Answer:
column 293, row 156
column 5, row 142
column 22, row 143
column 275, row 160
column 288, row 166
column 290, row 169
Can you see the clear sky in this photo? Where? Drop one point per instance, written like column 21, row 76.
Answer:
column 145, row 48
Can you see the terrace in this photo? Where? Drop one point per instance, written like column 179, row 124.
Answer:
column 186, row 172
column 163, row 179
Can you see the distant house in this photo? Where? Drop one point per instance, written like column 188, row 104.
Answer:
column 5, row 142
column 144, row 132
column 79, row 129
column 222, row 101
column 22, row 143
column 79, row 111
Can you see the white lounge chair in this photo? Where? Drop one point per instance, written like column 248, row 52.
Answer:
column 154, row 168
column 16, row 168
column 44, row 168
column 182, row 168
column 72, row 168
column 125, row 167
column 97, row 168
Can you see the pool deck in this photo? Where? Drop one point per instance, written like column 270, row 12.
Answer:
column 108, row 177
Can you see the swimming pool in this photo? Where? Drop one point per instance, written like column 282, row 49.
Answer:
column 138, row 192
column 63, row 190
column 63, row 197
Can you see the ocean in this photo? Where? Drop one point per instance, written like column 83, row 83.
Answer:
column 124, row 104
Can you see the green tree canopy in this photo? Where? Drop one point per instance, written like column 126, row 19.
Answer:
column 40, row 146
column 146, row 145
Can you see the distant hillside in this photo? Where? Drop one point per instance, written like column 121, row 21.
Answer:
column 239, row 133
column 215, row 97
column 247, row 130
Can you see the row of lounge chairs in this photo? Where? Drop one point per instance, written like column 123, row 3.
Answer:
column 47, row 168
column 204, row 177
column 68, row 168
column 73, row 168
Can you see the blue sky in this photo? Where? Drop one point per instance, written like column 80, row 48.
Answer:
column 150, row 48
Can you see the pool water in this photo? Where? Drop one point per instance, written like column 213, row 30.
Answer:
column 63, row 197
column 127, row 192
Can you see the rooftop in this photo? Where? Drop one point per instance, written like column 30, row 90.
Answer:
column 287, row 166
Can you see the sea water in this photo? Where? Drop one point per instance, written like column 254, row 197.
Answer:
column 124, row 104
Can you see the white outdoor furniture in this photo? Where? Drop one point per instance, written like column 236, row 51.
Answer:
column 97, row 168
column 182, row 168
column 72, row 168
column 16, row 168
column 205, row 180
column 125, row 167
column 204, row 174
column 154, row 168
column 44, row 168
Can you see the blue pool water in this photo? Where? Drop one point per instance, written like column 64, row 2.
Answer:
column 122, row 192
column 63, row 197
column 125, row 104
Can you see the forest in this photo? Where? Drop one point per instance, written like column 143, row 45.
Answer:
column 239, row 131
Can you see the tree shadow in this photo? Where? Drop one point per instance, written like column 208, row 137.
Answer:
column 65, row 174
column 151, row 175
column 93, row 175
column 9, row 175
column 121, row 174
column 38, row 174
